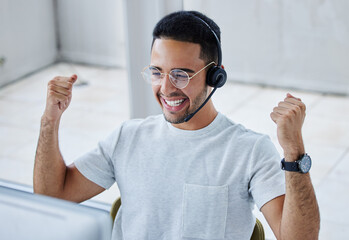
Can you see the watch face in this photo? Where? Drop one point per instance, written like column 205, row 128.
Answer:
column 305, row 164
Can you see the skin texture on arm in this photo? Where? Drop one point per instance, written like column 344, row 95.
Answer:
column 296, row 214
column 51, row 175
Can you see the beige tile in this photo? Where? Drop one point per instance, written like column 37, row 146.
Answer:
column 322, row 131
column 25, row 154
column 84, row 72
column 233, row 96
column 31, row 88
column 100, row 99
column 22, row 114
column 255, row 112
column 324, row 159
column 16, row 171
column 332, row 107
column 268, row 98
column 75, row 141
column 333, row 230
column 333, row 194
column 13, row 138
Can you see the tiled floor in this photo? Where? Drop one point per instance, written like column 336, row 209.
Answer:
column 98, row 107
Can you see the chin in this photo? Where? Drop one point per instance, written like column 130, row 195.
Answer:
column 175, row 119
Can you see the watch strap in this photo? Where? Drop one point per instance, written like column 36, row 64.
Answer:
column 289, row 166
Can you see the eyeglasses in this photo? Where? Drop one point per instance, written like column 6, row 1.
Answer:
column 179, row 78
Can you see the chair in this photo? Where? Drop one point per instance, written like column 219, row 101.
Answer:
column 115, row 208
column 258, row 231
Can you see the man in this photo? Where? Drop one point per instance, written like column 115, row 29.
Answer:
column 181, row 178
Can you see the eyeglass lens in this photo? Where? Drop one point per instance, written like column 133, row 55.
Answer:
column 178, row 78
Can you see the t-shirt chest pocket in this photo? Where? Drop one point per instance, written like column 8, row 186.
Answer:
column 204, row 211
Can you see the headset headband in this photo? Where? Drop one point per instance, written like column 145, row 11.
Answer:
column 217, row 41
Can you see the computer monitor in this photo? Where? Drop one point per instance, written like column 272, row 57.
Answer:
column 24, row 215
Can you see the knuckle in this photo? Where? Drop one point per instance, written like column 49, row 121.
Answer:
column 51, row 87
column 296, row 109
column 57, row 78
column 51, row 82
column 51, row 94
column 288, row 114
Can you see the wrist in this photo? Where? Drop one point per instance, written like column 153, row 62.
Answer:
column 292, row 156
column 48, row 122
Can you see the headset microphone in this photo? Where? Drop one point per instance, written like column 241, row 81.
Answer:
column 203, row 104
column 216, row 75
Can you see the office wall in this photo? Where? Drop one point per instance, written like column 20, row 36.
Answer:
column 91, row 32
column 286, row 43
column 27, row 37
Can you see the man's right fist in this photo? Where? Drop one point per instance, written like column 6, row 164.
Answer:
column 59, row 94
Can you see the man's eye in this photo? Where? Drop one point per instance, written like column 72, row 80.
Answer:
column 179, row 75
column 155, row 73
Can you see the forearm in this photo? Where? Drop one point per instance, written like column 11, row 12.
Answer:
column 300, row 217
column 49, row 167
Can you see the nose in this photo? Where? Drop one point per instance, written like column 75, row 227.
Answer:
column 166, row 85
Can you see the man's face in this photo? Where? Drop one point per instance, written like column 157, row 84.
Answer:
column 176, row 103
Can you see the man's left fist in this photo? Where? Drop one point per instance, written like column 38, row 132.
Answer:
column 289, row 117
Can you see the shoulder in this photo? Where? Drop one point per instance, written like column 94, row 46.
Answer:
column 149, row 124
column 143, row 122
column 240, row 132
column 245, row 139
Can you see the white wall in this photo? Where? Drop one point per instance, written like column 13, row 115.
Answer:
column 91, row 31
column 27, row 37
column 140, row 19
column 288, row 43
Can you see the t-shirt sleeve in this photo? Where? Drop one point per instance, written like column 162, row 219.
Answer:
column 267, row 179
column 97, row 165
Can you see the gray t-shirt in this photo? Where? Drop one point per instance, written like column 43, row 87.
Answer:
column 178, row 184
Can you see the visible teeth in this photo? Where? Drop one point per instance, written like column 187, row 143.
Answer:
column 174, row 103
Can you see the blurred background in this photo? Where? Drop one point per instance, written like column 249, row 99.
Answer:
column 269, row 48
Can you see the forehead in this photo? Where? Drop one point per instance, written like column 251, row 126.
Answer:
column 173, row 52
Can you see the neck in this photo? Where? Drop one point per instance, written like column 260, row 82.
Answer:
column 201, row 119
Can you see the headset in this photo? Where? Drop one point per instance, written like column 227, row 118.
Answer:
column 216, row 75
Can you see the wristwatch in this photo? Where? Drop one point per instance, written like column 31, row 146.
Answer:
column 302, row 165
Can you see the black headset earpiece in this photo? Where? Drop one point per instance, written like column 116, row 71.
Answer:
column 216, row 77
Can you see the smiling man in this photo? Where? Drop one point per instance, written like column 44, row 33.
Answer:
column 190, row 173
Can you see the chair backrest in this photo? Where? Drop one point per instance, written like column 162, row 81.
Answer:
column 115, row 208
column 258, row 231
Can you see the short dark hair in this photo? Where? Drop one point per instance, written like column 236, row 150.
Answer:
column 185, row 26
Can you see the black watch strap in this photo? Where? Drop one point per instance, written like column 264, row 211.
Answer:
column 302, row 165
column 289, row 166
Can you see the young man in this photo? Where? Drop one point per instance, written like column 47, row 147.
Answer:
column 181, row 178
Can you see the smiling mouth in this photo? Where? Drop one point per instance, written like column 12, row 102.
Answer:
column 174, row 103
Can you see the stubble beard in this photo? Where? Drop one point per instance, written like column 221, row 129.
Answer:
column 196, row 104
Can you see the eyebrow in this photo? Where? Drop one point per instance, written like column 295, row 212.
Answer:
column 183, row 69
